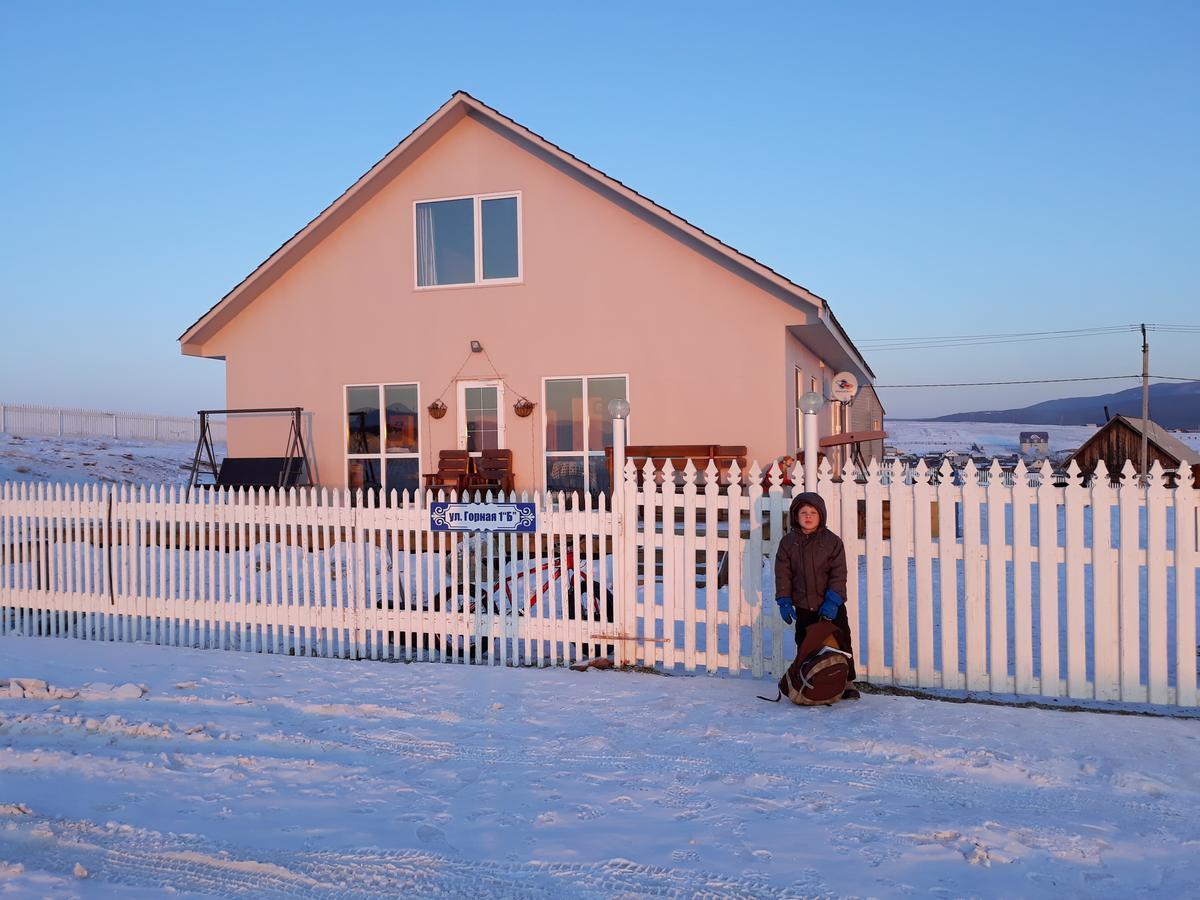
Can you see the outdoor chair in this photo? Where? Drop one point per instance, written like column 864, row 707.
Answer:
column 493, row 472
column 454, row 467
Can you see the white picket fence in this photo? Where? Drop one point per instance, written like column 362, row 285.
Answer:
column 53, row 421
column 1020, row 583
column 304, row 571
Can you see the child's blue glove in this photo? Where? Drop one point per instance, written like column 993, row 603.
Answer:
column 833, row 602
column 786, row 610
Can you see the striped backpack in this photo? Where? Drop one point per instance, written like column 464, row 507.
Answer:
column 819, row 673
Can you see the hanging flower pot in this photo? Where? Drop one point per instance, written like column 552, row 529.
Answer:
column 437, row 409
column 523, row 407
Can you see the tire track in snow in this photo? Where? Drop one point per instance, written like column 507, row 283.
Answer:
column 123, row 856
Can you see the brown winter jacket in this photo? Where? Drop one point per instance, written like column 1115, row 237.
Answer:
column 806, row 565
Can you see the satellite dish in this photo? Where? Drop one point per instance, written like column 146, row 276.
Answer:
column 845, row 386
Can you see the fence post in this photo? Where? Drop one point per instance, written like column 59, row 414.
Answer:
column 626, row 649
column 60, row 423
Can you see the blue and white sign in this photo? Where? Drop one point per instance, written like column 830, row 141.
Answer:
column 518, row 517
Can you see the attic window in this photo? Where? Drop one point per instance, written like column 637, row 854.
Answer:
column 468, row 240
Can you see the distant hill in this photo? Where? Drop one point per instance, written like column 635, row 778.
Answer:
column 1171, row 406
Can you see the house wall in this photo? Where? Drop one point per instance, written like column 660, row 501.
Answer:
column 866, row 414
column 603, row 292
column 797, row 355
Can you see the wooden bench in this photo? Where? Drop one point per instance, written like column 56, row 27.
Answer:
column 724, row 455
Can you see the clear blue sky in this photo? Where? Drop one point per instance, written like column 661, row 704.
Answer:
column 928, row 168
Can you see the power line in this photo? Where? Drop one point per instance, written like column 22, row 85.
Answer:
column 1028, row 381
column 945, row 345
column 878, row 345
column 1106, row 329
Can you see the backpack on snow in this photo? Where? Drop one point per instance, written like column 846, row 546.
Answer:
column 820, row 672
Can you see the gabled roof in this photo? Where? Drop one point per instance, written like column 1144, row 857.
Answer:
column 459, row 106
column 1155, row 434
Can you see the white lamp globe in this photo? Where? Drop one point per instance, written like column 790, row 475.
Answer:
column 812, row 402
column 618, row 408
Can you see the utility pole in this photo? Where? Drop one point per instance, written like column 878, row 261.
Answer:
column 1145, row 400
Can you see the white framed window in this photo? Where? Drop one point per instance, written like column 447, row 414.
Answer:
column 799, row 386
column 383, row 437
column 468, row 240
column 578, row 429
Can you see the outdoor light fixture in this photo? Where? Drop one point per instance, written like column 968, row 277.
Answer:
column 476, row 347
column 618, row 408
column 812, row 402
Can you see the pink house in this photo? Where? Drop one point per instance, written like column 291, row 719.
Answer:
column 479, row 265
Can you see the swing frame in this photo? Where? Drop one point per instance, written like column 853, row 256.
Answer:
column 295, row 470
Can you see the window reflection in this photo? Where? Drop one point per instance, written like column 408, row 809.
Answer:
column 382, row 437
column 564, row 414
column 499, row 237
column 564, row 473
column 578, row 430
column 402, row 419
column 403, row 475
column 446, row 242
column 362, row 414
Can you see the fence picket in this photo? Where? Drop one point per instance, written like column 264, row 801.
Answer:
column 687, row 570
column 998, row 558
column 949, row 553
column 735, row 561
column 1023, row 553
column 1157, row 650
column 900, row 506
column 752, row 590
column 782, row 636
column 1129, row 600
column 922, row 529
column 847, row 528
column 974, row 604
column 1074, row 552
column 1105, row 635
column 1047, row 557
column 875, row 639
column 1185, row 594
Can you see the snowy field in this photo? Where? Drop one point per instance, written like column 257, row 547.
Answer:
column 78, row 460
column 996, row 438
column 101, row 459
column 259, row 776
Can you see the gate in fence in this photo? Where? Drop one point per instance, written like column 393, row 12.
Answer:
column 1021, row 582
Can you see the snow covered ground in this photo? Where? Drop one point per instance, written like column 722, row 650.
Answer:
column 89, row 459
column 252, row 775
column 996, row 438
column 78, row 460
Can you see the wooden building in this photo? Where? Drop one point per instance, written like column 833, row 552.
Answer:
column 1120, row 439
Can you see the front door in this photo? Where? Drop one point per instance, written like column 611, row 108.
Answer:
column 480, row 416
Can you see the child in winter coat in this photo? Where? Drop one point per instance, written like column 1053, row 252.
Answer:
column 810, row 575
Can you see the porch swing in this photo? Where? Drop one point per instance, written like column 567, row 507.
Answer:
column 290, row 470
